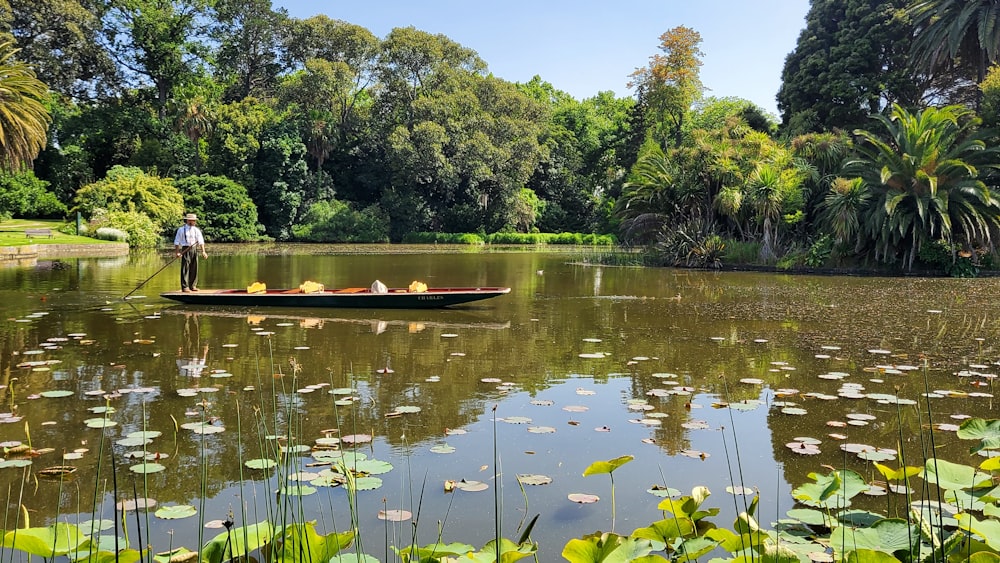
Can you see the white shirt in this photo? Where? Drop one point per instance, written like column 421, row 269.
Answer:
column 188, row 235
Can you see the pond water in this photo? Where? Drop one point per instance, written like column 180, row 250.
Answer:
column 703, row 377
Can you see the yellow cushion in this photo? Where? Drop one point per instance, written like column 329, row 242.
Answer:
column 257, row 287
column 418, row 287
column 311, row 287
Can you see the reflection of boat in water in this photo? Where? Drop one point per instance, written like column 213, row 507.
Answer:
column 415, row 321
column 352, row 297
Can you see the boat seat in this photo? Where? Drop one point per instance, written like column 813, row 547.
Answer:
column 352, row 290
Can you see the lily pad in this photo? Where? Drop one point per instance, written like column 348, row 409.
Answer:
column 583, row 498
column 147, row 468
column 534, row 479
column 367, row 483
column 260, row 463
column 57, row 393
column 395, row 515
column 175, row 512
column 443, row 449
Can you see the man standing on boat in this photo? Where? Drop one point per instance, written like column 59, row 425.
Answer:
column 187, row 243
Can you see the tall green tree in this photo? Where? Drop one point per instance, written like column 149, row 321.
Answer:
column 250, row 37
column 850, row 61
column 671, row 82
column 61, row 40
column 930, row 175
column 24, row 119
column 159, row 41
column 957, row 30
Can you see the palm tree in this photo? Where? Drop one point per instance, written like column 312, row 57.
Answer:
column 840, row 213
column 647, row 201
column 968, row 30
column 24, row 120
column 926, row 174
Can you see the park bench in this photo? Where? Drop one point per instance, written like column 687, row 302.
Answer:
column 38, row 233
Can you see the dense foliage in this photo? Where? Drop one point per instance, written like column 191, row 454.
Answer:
column 273, row 127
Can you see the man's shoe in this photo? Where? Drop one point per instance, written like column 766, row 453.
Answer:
column 194, row 289
column 186, row 290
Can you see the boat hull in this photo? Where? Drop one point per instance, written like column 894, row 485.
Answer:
column 359, row 298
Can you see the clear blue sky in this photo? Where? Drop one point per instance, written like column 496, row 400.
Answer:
column 589, row 46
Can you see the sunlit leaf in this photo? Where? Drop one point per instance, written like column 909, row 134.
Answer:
column 986, row 431
column 607, row 466
column 395, row 515
column 949, row 475
column 260, row 463
column 48, row 542
column 175, row 512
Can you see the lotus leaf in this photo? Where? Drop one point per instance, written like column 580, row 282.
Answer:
column 237, row 543
column 57, row 393
column 434, row 550
column 147, row 468
column 353, row 558
column 300, row 542
column 608, row 466
column 955, row 476
column 48, row 542
column 986, row 431
column 297, row 490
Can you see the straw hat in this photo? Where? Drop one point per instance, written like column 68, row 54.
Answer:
column 190, row 217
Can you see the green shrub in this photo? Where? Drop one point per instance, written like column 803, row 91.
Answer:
column 820, row 251
column 515, row 238
column 741, row 252
column 132, row 190
column 567, row 238
column 109, row 233
column 336, row 221
column 442, row 238
column 24, row 195
column 224, row 208
column 140, row 229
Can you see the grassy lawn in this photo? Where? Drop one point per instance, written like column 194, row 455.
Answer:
column 12, row 233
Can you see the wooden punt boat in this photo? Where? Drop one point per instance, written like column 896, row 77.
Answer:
column 351, row 297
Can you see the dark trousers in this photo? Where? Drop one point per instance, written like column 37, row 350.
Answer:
column 189, row 268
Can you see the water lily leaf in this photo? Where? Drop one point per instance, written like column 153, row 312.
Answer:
column 297, row 490
column 471, row 486
column 14, row 463
column 517, row 420
column 371, row 467
column 48, row 542
column 175, row 512
column 93, row 527
column 663, row 492
column 147, row 467
column 583, row 498
column 260, row 463
column 406, row 409
column 367, row 483
column 599, row 467
column 176, row 555
column 57, row 393
column 395, row 515
column 356, row 439
column 133, row 442
column 541, row 429
column 99, row 423
column 135, row 504
column 532, row 479
column 443, row 449
column 986, row 431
